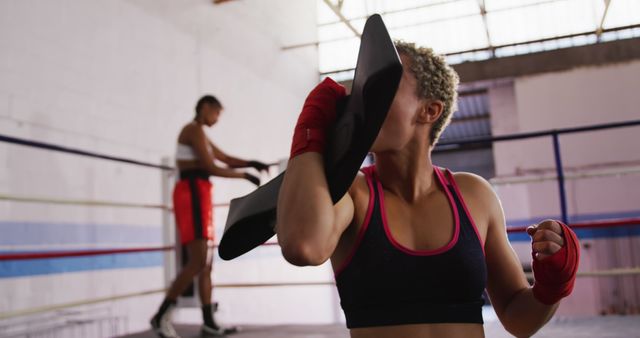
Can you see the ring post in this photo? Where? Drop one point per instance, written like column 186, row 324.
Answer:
column 168, row 228
column 560, row 172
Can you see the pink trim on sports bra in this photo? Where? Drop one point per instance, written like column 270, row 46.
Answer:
column 466, row 210
column 363, row 228
column 409, row 251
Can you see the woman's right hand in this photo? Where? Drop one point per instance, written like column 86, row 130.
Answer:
column 318, row 114
column 257, row 165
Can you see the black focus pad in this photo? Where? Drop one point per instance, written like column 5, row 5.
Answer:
column 252, row 218
column 376, row 80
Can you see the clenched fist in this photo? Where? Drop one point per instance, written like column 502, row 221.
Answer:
column 556, row 255
column 547, row 238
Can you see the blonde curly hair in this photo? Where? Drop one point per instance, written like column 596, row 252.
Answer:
column 436, row 80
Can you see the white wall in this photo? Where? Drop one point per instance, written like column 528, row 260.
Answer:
column 121, row 77
column 577, row 97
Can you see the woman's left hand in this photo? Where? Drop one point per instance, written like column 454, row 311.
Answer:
column 547, row 238
column 259, row 166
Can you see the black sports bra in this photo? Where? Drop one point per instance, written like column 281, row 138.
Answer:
column 383, row 283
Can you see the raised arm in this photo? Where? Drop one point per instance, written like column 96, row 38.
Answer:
column 308, row 225
column 523, row 310
column 199, row 143
column 234, row 162
column 511, row 296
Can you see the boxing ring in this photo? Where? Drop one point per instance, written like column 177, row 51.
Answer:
column 99, row 320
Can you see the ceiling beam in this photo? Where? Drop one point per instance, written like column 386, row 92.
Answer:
column 444, row 2
column 337, row 11
column 406, row 9
column 600, row 28
column 483, row 12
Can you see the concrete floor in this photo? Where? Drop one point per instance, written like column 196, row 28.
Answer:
column 275, row 331
column 600, row 327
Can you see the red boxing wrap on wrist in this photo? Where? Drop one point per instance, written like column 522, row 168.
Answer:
column 555, row 275
column 318, row 113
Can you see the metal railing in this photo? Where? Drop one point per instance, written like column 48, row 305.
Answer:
column 555, row 135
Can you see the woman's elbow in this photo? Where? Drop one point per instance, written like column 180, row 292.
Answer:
column 520, row 331
column 303, row 246
column 303, row 253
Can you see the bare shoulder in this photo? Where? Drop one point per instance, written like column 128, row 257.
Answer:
column 480, row 197
column 193, row 133
column 472, row 183
column 192, row 128
column 359, row 184
column 185, row 133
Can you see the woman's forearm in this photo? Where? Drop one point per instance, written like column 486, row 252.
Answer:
column 233, row 162
column 224, row 172
column 525, row 315
column 306, row 217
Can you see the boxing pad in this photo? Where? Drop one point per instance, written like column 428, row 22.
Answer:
column 252, row 218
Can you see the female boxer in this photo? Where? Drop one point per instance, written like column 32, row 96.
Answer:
column 192, row 203
column 413, row 246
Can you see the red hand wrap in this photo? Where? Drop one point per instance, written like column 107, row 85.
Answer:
column 318, row 113
column 555, row 275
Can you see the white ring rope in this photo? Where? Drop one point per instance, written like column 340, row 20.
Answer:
column 90, row 203
column 18, row 313
column 496, row 181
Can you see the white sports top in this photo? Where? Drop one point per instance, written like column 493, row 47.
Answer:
column 186, row 153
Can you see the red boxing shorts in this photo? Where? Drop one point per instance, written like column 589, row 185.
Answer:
column 192, row 206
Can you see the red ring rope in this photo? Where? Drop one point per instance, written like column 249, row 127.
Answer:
column 589, row 225
column 80, row 253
